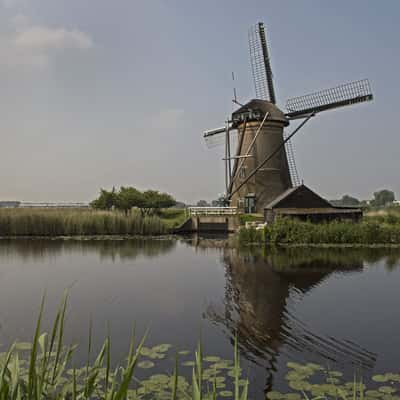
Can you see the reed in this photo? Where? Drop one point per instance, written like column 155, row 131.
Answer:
column 61, row 222
column 47, row 373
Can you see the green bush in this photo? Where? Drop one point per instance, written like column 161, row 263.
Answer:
column 291, row 231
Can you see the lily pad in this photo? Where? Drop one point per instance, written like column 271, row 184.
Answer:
column 373, row 393
column 274, row 395
column 145, row 351
column 294, row 365
column 146, row 364
column 213, row 359
column 183, row 352
column 380, row 378
column 334, row 381
column 188, row 364
column 387, row 389
column 23, row 346
column 161, row 348
column 293, row 396
column 299, row 385
column 226, row 393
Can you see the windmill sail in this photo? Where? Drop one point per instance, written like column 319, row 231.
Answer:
column 263, row 83
column 328, row 99
column 260, row 64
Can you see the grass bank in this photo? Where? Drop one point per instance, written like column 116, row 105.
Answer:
column 371, row 231
column 61, row 222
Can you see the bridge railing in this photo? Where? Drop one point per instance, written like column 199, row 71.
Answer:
column 193, row 211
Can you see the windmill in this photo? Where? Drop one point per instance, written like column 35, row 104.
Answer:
column 263, row 166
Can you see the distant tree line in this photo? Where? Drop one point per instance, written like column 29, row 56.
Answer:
column 148, row 202
column 381, row 198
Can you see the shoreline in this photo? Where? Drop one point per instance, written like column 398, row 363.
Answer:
column 83, row 238
column 88, row 237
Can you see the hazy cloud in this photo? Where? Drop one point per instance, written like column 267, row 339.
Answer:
column 13, row 3
column 33, row 45
column 43, row 38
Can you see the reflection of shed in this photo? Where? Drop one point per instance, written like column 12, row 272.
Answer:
column 302, row 203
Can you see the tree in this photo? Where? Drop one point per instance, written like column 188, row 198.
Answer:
column 129, row 197
column 349, row 201
column 382, row 198
column 106, row 200
column 153, row 201
column 202, row 203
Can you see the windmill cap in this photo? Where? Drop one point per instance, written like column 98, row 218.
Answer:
column 255, row 110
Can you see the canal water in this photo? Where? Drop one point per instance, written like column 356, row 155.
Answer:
column 335, row 307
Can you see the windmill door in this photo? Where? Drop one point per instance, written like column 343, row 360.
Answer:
column 250, row 204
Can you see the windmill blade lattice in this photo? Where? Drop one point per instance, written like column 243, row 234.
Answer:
column 263, row 83
column 260, row 63
column 328, row 99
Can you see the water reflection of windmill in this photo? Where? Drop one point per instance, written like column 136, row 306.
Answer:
column 263, row 165
column 257, row 306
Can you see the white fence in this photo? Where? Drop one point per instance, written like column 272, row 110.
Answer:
column 212, row 211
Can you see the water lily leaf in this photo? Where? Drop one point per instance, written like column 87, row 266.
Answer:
column 315, row 367
column 23, row 346
column 160, row 378
column 220, row 385
column 188, row 364
column 299, row 385
column 183, row 352
column 146, row 364
column 213, row 359
column 294, row 365
column 293, row 396
column 373, row 393
column 156, row 356
column 380, row 378
column 232, row 373
column 226, row 393
column 161, row 348
column 145, row 351
column 221, row 365
column 336, row 374
column 387, row 389
column 333, row 380
column 274, row 395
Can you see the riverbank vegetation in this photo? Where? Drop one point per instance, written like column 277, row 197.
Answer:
column 376, row 230
column 64, row 222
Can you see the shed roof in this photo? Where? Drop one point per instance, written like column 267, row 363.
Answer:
column 310, row 211
column 302, row 195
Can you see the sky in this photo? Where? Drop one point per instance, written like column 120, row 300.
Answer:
column 96, row 93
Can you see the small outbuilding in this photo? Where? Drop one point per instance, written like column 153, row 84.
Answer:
column 302, row 203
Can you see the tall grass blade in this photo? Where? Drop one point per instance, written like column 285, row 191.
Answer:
column 60, row 336
column 128, row 372
column 32, row 394
column 175, row 381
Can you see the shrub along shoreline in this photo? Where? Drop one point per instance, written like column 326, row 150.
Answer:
column 285, row 231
